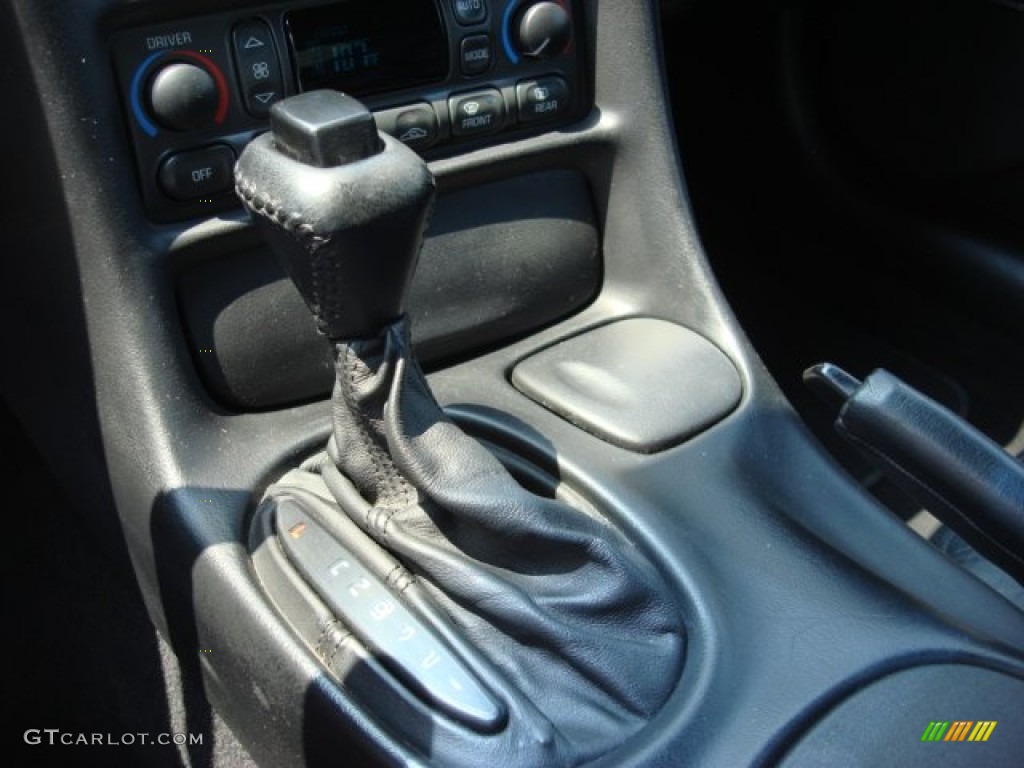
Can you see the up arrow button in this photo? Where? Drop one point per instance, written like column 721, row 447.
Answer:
column 258, row 68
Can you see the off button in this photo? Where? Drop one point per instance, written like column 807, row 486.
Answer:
column 476, row 113
column 198, row 173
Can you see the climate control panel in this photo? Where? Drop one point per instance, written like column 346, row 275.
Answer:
column 440, row 75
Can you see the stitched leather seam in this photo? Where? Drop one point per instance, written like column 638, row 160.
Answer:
column 292, row 222
column 385, row 473
column 391, row 574
column 389, row 513
column 396, row 491
column 339, row 639
column 369, row 519
column 331, row 631
column 321, row 640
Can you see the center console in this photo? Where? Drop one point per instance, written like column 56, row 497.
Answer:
column 568, row 320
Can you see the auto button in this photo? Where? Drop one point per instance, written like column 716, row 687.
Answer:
column 469, row 12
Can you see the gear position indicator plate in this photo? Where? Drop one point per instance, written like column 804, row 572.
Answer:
column 382, row 622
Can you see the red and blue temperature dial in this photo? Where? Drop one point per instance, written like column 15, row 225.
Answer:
column 178, row 90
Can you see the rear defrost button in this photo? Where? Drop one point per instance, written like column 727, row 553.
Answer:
column 542, row 99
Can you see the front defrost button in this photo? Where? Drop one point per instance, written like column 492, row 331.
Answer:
column 475, row 113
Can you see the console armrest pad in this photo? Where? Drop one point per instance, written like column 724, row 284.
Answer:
column 642, row 384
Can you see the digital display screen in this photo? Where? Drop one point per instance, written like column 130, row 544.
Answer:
column 367, row 46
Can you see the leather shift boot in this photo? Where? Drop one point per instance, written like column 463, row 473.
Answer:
column 561, row 603
column 578, row 633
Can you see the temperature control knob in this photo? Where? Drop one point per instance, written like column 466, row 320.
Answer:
column 183, row 97
column 542, row 30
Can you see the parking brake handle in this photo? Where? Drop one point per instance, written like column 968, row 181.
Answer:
column 957, row 473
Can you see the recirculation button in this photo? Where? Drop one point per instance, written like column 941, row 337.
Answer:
column 198, row 173
column 415, row 125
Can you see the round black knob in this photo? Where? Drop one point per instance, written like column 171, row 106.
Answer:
column 542, row 30
column 183, row 97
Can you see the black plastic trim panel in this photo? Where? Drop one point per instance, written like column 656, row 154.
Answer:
column 798, row 588
column 499, row 260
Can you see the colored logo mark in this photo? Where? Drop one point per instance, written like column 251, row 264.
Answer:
column 958, row 730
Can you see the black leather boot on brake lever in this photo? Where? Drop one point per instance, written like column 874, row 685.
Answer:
column 557, row 638
column 958, row 474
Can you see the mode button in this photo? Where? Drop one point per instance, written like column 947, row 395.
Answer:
column 198, row 172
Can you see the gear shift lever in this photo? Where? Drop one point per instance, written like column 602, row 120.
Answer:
column 343, row 207
column 585, row 641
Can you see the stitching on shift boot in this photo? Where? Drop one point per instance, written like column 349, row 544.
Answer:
column 292, row 222
column 390, row 485
column 393, row 489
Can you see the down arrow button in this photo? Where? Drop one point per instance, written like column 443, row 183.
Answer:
column 259, row 71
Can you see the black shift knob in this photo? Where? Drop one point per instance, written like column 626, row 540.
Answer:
column 343, row 207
